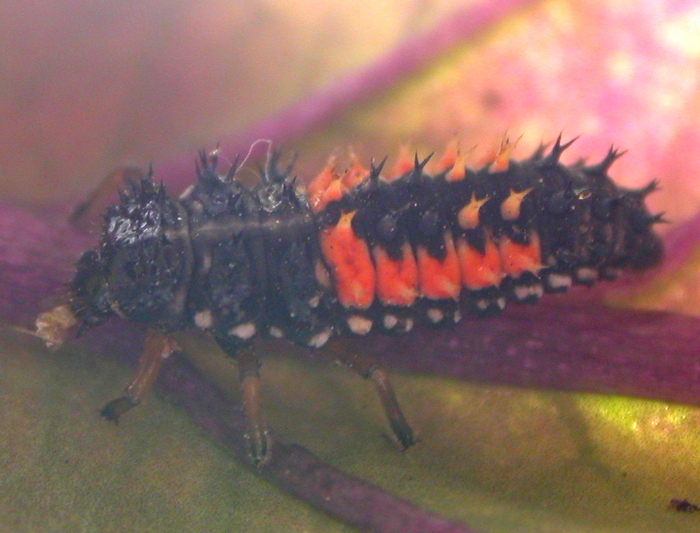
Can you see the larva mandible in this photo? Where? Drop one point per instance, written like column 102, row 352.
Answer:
column 355, row 251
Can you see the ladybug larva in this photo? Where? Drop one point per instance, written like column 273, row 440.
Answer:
column 354, row 252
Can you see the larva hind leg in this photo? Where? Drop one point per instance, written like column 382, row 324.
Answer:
column 369, row 369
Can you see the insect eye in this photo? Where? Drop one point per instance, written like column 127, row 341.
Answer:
column 583, row 194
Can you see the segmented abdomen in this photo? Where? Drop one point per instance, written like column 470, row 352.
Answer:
column 426, row 243
column 361, row 249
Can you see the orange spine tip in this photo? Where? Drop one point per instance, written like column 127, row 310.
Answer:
column 510, row 207
column 502, row 160
column 403, row 165
column 333, row 193
column 355, row 174
column 468, row 216
column 459, row 168
column 448, row 158
column 318, row 186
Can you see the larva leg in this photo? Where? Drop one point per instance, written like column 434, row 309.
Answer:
column 256, row 433
column 369, row 369
column 156, row 349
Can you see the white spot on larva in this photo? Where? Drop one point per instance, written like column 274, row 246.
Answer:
column 276, row 332
column 314, row 301
column 457, row 316
column 204, row 319
column 390, row 321
column 186, row 193
column 408, row 325
column 320, row 339
column 559, row 281
column 523, row 292
column 501, row 303
column 435, row 315
column 322, row 275
column 482, row 305
column 538, row 290
column 359, row 324
column 586, row 274
column 243, row 331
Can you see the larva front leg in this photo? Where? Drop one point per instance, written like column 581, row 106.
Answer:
column 256, row 434
column 157, row 347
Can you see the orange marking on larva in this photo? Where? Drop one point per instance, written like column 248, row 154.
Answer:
column 333, row 193
column 350, row 263
column 478, row 270
column 520, row 258
column 510, row 207
column 439, row 279
column 459, row 168
column 468, row 216
column 502, row 160
column 355, row 174
column 319, row 185
column 403, row 165
column 397, row 280
column 447, row 161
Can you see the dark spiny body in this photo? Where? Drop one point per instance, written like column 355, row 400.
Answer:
column 241, row 262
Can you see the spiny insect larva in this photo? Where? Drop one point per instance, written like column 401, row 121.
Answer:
column 354, row 252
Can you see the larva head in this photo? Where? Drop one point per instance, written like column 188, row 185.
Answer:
column 142, row 263
column 625, row 227
column 643, row 246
